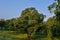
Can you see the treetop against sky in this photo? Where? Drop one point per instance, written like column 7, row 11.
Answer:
column 13, row 8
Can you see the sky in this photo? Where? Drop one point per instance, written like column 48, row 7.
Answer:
column 13, row 8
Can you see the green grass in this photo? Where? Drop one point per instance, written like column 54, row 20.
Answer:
column 10, row 35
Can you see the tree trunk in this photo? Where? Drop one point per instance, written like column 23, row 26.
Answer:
column 29, row 36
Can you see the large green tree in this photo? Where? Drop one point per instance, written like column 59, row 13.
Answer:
column 30, row 20
column 55, row 27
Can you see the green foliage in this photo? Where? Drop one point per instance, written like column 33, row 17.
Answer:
column 11, row 24
column 55, row 7
column 32, row 23
column 29, row 22
column 2, row 23
column 55, row 21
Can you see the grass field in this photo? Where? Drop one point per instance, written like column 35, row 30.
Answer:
column 10, row 35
